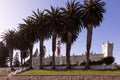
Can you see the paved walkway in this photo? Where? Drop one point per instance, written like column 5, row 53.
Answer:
column 62, row 77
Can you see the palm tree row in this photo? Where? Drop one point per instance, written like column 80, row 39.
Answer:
column 65, row 23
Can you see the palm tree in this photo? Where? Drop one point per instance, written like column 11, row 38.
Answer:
column 55, row 26
column 25, row 55
column 64, row 37
column 27, row 30
column 10, row 40
column 72, row 25
column 92, row 15
column 42, row 32
column 21, row 45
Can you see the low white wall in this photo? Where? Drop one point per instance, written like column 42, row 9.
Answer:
column 103, row 67
column 95, row 67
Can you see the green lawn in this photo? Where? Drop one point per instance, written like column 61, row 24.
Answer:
column 72, row 72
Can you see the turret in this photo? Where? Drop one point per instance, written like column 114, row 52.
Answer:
column 107, row 49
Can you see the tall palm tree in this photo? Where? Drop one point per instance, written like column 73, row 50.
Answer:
column 10, row 40
column 55, row 26
column 42, row 32
column 92, row 15
column 27, row 30
column 72, row 24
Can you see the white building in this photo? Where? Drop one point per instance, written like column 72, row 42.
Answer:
column 107, row 50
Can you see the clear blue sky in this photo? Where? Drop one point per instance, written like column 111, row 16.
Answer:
column 13, row 11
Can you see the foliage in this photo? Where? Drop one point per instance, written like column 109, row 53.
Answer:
column 10, row 39
column 83, row 63
column 27, row 63
column 3, row 72
column 3, row 55
column 72, row 72
column 108, row 60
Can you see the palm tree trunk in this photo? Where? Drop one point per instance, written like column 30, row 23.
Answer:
column 31, row 50
column 88, row 46
column 11, row 58
column 41, row 53
column 68, row 48
column 21, row 58
column 53, row 49
column 24, row 61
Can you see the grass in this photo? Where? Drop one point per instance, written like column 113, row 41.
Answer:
column 3, row 72
column 42, row 72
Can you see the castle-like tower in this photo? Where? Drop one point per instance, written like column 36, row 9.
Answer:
column 107, row 49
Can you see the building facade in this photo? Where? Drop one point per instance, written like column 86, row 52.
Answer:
column 107, row 50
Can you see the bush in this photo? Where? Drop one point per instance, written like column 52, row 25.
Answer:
column 107, row 61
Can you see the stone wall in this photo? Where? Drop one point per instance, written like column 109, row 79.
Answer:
column 65, row 77
column 3, row 77
column 94, row 67
column 62, row 77
column 74, row 59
